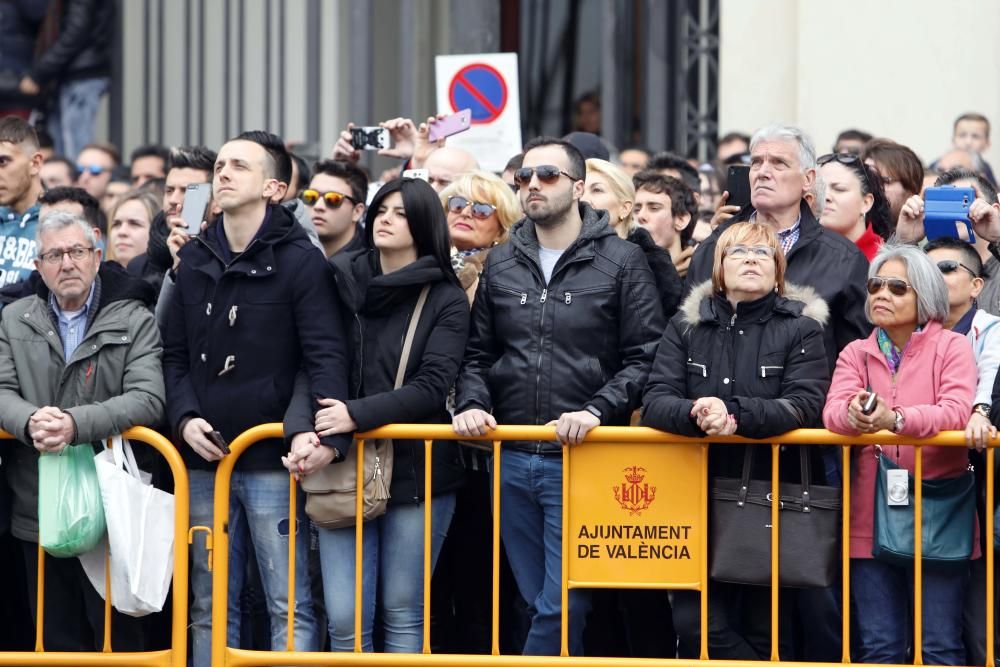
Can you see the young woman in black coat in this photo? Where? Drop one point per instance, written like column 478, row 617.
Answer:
column 744, row 356
column 409, row 249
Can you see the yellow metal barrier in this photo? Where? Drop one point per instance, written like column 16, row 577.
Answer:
column 609, row 435
column 176, row 655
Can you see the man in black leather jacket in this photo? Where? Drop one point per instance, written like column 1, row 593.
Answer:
column 564, row 329
column 78, row 61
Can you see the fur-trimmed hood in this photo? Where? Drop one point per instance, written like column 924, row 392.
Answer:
column 797, row 300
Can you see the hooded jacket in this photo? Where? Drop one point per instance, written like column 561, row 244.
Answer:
column 668, row 281
column 113, row 380
column 238, row 331
column 380, row 307
column 933, row 388
column 587, row 337
column 821, row 259
column 765, row 359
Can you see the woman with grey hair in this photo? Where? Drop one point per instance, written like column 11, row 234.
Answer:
column 923, row 378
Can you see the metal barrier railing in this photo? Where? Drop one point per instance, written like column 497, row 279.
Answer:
column 228, row 656
column 176, row 655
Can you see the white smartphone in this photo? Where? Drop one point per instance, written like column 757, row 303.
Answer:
column 196, row 199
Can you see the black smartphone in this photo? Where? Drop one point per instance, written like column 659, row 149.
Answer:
column 218, row 441
column 738, row 185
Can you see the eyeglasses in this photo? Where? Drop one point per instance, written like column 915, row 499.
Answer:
column 93, row 169
column 848, row 159
column 896, row 286
column 947, row 266
column 333, row 199
column 76, row 253
column 755, row 251
column 479, row 211
column 547, row 173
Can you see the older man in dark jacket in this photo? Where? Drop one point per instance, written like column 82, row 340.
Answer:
column 782, row 170
column 254, row 302
column 79, row 362
column 564, row 329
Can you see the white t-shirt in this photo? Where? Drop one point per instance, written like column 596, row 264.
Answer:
column 548, row 258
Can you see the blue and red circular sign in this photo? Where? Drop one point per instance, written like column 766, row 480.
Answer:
column 481, row 88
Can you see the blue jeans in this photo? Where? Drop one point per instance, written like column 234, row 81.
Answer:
column 71, row 123
column 392, row 567
column 882, row 594
column 531, row 528
column 258, row 511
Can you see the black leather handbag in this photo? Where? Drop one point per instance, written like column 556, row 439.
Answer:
column 740, row 533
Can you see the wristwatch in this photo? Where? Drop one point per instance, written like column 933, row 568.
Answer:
column 982, row 409
column 897, row 426
column 594, row 411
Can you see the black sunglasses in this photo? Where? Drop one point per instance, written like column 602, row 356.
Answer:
column 847, row 159
column 951, row 265
column 896, row 286
column 333, row 199
column 547, row 173
column 479, row 210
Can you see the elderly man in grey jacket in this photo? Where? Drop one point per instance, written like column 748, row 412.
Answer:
column 79, row 362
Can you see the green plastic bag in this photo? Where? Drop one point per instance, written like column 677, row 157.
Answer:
column 70, row 509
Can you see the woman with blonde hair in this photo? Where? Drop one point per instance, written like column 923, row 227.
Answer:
column 480, row 209
column 608, row 187
column 128, row 228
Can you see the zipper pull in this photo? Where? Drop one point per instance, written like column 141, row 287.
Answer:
column 208, row 308
column 229, row 365
column 545, row 293
column 232, row 315
column 524, row 298
column 732, row 322
column 381, row 491
column 569, row 298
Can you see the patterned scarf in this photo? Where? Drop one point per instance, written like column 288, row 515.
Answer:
column 893, row 355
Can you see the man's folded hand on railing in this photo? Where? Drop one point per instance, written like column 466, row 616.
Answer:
column 573, row 427
column 473, row 422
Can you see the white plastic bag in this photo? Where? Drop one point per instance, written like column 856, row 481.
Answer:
column 140, row 522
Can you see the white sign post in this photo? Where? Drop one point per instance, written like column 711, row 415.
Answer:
column 486, row 83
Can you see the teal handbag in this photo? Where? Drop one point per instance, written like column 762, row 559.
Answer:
column 947, row 524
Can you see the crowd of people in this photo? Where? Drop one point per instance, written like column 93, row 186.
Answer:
column 582, row 286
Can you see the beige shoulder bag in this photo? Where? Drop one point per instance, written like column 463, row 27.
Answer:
column 330, row 499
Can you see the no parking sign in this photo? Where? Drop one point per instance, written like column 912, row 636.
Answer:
column 487, row 84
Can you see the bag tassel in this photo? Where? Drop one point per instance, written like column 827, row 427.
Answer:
column 381, row 490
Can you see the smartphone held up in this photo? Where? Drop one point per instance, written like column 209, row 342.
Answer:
column 197, row 198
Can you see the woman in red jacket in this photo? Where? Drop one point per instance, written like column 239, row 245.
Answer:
column 924, row 377
column 854, row 205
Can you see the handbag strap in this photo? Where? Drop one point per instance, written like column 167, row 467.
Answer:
column 804, row 476
column 745, row 478
column 804, row 473
column 404, row 358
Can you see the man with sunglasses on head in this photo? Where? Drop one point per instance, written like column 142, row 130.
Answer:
column 564, row 329
column 95, row 164
column 335, row 202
